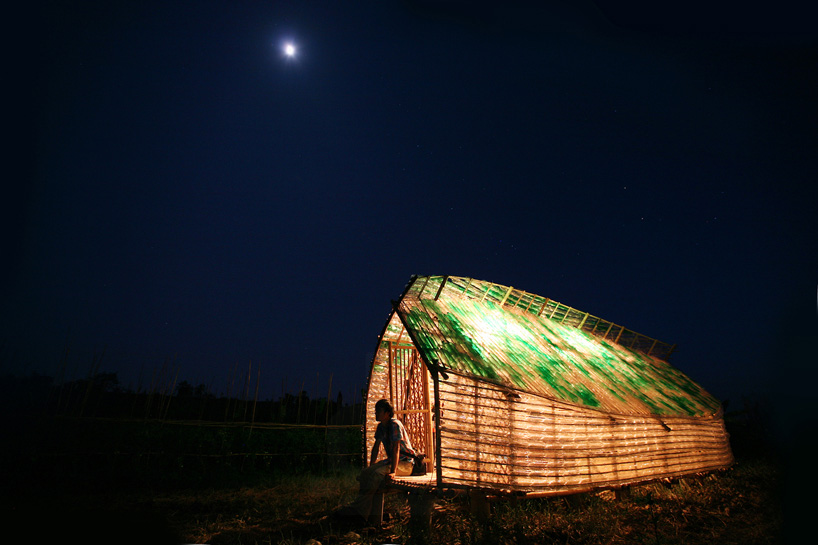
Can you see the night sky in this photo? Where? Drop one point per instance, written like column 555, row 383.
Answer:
column 184, row 192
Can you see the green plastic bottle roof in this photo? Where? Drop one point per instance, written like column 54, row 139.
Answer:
column 487, row 338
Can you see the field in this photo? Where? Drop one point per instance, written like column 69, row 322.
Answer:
column 127, row 480
column 739, row 506
column 247, row 503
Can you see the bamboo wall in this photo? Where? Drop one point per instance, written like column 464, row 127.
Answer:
column 510, row 440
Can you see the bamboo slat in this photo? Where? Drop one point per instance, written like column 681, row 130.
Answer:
column 488, row 440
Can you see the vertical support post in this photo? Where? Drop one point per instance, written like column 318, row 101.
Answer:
column 429, row 448
column 480, row 507
column 389, row 371
column 376, row 513
column 438, row 461
column 421, row 505
column 622, row 493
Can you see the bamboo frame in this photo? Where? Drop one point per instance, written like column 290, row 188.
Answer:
column 505, row 439
column 438, row 447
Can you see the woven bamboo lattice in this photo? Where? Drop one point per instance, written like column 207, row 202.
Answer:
column 538, row 397
column 401, row 377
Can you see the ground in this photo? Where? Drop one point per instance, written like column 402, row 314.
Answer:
column 740, row 505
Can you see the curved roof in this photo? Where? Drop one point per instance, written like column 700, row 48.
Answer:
column 471, row 327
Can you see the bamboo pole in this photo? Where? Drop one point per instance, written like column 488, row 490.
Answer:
column 427, row 424
column 505, row 297
column 582, row 323
column 438, row 460
column 425, row 281
column 466, row 289
column 389, row 366
column 440, row 289
column 326, row 424
column 255, row 397
column 170, row 393
column 229, row 390
column 314, row 402
column 329, row 396
column 300, row 395
column 247, row 389
column 255, row 400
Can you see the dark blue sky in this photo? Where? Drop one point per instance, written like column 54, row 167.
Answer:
column 187, row 193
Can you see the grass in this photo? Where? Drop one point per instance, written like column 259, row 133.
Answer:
column 128, row 483
column 736, row 506
column 739, row 505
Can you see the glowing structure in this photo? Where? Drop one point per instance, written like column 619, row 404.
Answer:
column 509, row 392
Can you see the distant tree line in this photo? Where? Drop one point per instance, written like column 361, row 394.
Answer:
column 101, row 395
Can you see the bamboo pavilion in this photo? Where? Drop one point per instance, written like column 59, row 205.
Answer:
column 508, row 392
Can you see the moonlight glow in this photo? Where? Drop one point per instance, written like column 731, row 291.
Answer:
column 289, row 49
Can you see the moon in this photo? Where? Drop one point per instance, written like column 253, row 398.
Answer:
column 289, row 49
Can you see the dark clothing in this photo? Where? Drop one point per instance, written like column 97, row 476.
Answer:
column 371, row 479
column 389, row 433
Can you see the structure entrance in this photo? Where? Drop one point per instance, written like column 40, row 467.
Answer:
column 409, row 393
